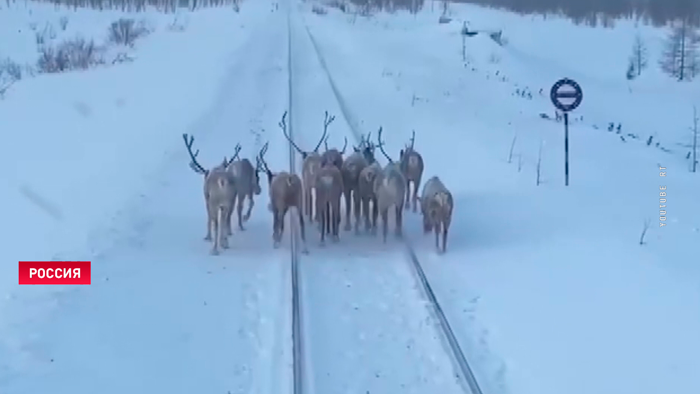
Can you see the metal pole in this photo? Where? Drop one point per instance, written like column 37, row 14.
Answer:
column 566, row 148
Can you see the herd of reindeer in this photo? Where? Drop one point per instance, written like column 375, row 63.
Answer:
column 326, row 177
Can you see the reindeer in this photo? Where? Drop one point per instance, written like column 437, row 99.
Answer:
column 247, row 180
column 412, row 167
column 365, row 189
column 310, row 167
column 390, row 189
column 219, row 192
column 436, row 207
column 351, row 169
column 285, row 192
column 329, row 189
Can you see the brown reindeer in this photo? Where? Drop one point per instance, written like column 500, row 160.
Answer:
column 436, row 206
column 219, row 192
column 412, row 168
column 247, row 180
column 285, row 192
column 329, row 189
column 390, row 189
column 310, row 167
column 351, row 169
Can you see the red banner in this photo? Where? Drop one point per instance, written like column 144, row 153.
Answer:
column 54, row 272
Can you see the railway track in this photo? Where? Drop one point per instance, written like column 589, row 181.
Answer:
column 302, row 375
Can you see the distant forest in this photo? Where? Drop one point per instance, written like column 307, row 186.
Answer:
column 656, row 12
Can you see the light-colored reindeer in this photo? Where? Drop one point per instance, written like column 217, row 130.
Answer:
column 310, row 167
column 329, row 190
column 219, row 193
column 351, row 169
column 247, row 181
column 285, row 192
column 436, row 207
column 365, row 187
column 412, row 167
column 390, row 190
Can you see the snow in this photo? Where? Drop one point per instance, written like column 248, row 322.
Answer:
column 545, row 284
column 546, row 287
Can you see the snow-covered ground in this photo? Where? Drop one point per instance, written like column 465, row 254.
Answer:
column 547, row 287
column 552, row 279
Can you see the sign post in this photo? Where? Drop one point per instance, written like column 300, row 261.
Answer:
column 566, row 95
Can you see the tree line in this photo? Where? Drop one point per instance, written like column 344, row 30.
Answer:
column 656, row 12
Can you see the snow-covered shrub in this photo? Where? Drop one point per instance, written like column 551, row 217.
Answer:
column 318, row 10
column 126, row 31
column 75, row 54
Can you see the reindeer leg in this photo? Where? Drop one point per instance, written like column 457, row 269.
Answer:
column 216, row 224
column 275, row 229
column 445, row 229
column 416, row 186
column 385, row 224
column 302, row 233
column 307, row 204
column 239, row 212
column 348, row 202
column 365, row 213
column 437, row 236
column 336, row 221
column 209, row 220
column 227, row 219
column 399, row 222
column 408, row 193
column 251, row 204
column 375, row 214
column 225, row 212
column 322, row 219
column 357, row 206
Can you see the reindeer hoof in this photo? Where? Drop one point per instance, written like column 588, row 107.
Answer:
column 207, row 238
column 304, row 250
column 214, row 252
column 336, row 239
column 246, row 218
column 241, row 228
column 276, row 245
column 224, row 243
column 348, row 227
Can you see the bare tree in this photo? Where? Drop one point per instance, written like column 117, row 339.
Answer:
column 680, row 56
column 639, row 58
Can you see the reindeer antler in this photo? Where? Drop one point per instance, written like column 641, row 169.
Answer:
column 261, row 164
column 194, row 165
column 342, row 152
column 381, row 145
column 235, row 156
column 324, row 138
column 413, row 140
column 283, row 125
